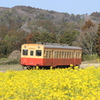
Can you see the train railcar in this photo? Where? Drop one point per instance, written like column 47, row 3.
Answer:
column 49, row 55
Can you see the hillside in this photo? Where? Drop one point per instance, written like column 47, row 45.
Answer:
column 30, row 19
column 24, row 24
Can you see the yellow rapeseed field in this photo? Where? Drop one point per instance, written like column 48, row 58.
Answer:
column 53, row 84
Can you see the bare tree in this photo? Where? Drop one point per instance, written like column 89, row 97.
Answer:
column 87, row 40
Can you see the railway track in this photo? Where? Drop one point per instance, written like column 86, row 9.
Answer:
column 4, row 68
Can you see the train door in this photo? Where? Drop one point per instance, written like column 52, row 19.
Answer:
column 50, row 58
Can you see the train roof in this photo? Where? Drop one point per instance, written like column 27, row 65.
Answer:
column 54, row 46
column 62, row 47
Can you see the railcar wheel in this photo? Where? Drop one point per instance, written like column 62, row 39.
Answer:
column 24, row 67
column 78, row 66
column 27, row 67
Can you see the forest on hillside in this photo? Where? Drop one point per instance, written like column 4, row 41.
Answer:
column 24, row 24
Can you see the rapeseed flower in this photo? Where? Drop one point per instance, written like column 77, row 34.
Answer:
column 58, row 84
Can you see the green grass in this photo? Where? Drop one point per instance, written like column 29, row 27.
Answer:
column 7, row 61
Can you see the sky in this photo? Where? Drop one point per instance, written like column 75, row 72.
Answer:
column 64, row 6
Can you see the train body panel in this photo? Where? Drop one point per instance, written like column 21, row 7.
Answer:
column 48, row 62
column 32, row 61
column 50, row 55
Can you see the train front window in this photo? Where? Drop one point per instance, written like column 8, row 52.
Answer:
column 38, row 53
column 31, row 53
column 25, row 52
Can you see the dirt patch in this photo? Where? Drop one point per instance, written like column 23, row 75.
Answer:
column 83, row 65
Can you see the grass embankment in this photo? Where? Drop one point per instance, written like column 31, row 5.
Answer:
column 9, row 64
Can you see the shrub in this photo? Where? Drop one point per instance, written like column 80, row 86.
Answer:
column 93, row 57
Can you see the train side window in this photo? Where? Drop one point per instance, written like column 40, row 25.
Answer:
column 69, row 54
column 49, row 54
column 25, row 52
column 79, row 54
column 65, row 55
column 46, row 54
column 55, row 55
column 72, row 54
column 31, row 53
column 38, row 53
column 76, row 54
column 62, row 54
column 59, row 54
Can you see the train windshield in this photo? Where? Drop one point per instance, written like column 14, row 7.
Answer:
column 25, row 52
column 38, row 53
column 31, row 53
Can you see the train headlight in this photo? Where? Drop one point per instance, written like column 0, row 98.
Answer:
column 38, row 47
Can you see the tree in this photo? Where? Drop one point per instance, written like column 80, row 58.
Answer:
column 19, row 44
column 3, row 31
column 67, row 38
column 88, row 25
column 98, row 40
column 5, row 48
column 53, row 38
column 45, row 38
column 36, row 37
column 47, row 24
column 87, row 38
column 29, row 38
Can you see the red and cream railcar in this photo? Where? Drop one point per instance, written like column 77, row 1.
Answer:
column 49, row 55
